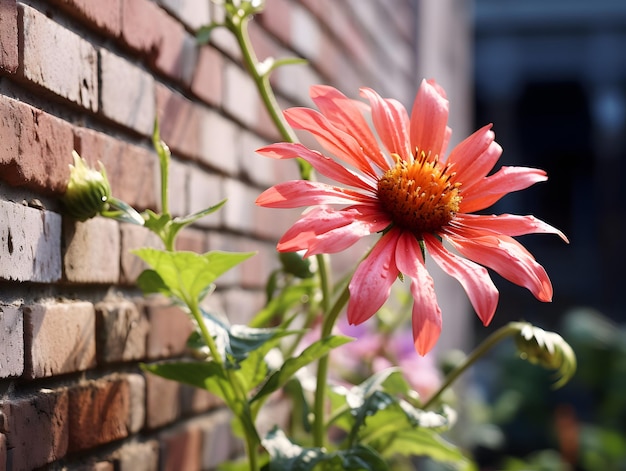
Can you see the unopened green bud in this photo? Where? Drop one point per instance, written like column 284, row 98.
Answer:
column 546, row 349
column 88, row 190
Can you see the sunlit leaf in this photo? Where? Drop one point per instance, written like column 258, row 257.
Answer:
column 312, row 353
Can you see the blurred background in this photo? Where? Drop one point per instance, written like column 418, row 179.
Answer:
column 551, row 76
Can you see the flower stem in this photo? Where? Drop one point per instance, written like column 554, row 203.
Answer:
column 484, row 347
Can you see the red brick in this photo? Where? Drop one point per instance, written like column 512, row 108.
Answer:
column 241, row 98
column 242, row 305
column 132, row 170
column 59, row 338
column 180, row 449
column 135, row 237
column 35, row 148
column 192, row 240
column 137, row 418
column 126, row 93
column 9, row 59
column 41, row 418
column 57, row 59
column 137, row 456
column 139, row 18
column 170, row 328
column 207, row 83
column 99, row 413
column 276, row 17
column 179, row 188
column 207, row 190
column 30, row 247
column 11, row 342
column 193, row 13
column 3, row 452
column 121, row 331
column 92, row 251
column 102, row 16
column 219, row 443
column 163, row 405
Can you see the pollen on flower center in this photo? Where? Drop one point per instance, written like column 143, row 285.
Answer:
column 418, row 195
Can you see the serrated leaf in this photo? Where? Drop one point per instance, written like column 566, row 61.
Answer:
column 188, row 274
column 287, row 456
column 313, row 352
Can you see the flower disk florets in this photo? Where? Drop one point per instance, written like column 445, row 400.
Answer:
column 418, row 195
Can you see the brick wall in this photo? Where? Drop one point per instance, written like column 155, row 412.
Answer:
column 91, row 75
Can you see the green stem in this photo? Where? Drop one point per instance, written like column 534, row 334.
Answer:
column 484, row 347
column 322, row 368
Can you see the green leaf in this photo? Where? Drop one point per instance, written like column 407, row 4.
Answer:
column 156, row 222
column 207, row 375
column 287, row 456
column 188, row 274
column 312, row 353
column 291, row 296
column 150, row 282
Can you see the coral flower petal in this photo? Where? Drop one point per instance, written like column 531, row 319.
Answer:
column 325, row 230
column 324, row 165
column 334, row 140
column 426, row 317
column 429, row 118
column 299, row 193
column 490, row 189
column 392, row 123
column 345, row 114
column 508, row 224
column 507, row 257
column 474, row 278
column 371, row 284
column 474, row 157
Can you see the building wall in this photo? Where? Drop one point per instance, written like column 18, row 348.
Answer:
column 92, row 76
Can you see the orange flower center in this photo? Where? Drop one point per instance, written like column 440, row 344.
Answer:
column 418, row 195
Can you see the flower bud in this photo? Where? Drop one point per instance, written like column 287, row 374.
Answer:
column 546, row 349
column 88, row 190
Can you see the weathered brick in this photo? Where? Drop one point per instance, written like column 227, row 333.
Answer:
column 193, row 13
column 277, row 18
column 241, row 98
column 170, row 328
column 131, row 169
column 102, row 16
column 178, row 188
column 3, row 452
column 58, row 59
column 59, row 338
column 127, row 93
column 35, row 147
column 219, row 443
column 180, row 122
column 180, row 448
column 98, row 412
column 137, row 456
column 135, row 237
column 219, row 143
column 241, row 305
column 207, row 82
column 121, row 331
column 137, row 418
column 192, row 240
column 40, row 418
column 9, row 59
column 138, row 20
column 92, row 251
column 11, row 342
column 30, row 239
column 206, row 191
column 163, row 405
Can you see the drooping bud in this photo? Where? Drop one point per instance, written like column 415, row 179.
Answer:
column 546, row 349
column 88, row 190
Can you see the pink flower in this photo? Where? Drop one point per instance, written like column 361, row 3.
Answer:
column 414, row 195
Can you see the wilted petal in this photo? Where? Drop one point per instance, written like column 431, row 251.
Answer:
column 429, row 119
column 475, row 279
column 426, row 318
column 371, row 284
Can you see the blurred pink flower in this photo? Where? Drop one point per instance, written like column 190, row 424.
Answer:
column 415, row 196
